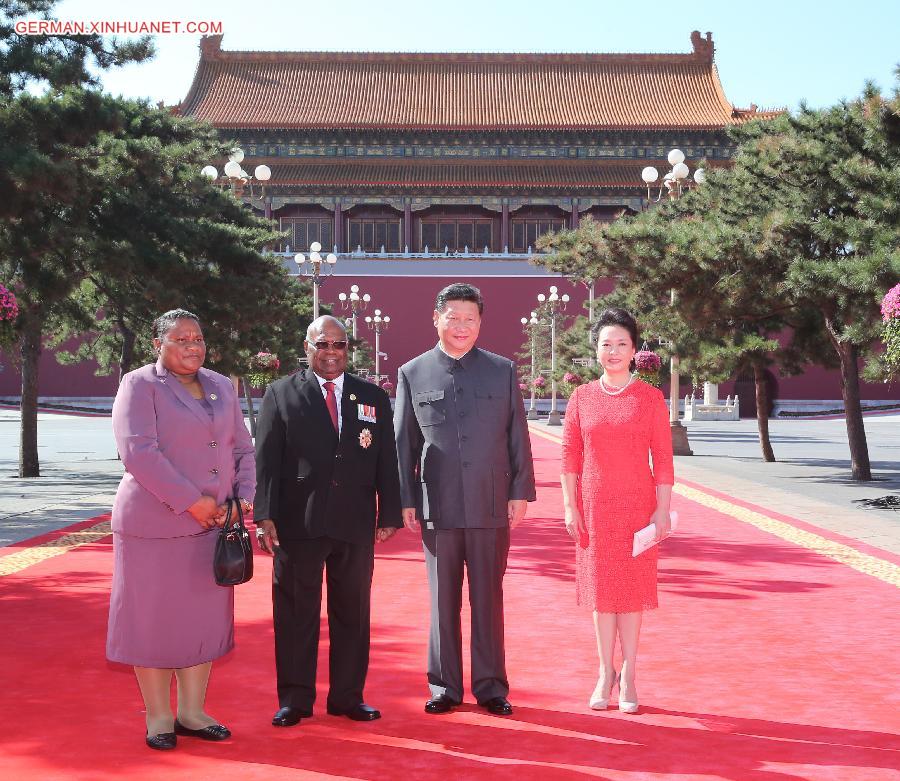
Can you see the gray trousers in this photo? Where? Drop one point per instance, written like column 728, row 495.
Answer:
column 482, row 553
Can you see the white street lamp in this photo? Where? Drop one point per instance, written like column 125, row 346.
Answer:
column 530, row 325
column 237, row 177
column 378, row 323
column 674, row 183
column 356, row 303
column 555, row 305
column 315, row 268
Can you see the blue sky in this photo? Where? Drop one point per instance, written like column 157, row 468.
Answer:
column 773, row 54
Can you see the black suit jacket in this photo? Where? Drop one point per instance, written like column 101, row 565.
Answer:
column 312, row 485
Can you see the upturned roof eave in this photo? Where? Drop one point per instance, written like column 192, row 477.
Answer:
column 469, row 128
column 562, row 185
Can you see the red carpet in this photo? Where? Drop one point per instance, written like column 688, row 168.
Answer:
column 766, row 661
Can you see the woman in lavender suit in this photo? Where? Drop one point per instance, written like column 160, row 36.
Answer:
column 181, row 435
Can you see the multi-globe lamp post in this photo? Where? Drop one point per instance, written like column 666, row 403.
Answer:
column 236, row 176
column 378, row 323
column 530, row 325
column 316, row 268
column 356, row 303
column 674, row 183
column 554, row 304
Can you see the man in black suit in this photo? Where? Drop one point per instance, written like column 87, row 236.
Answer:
column 327, row 488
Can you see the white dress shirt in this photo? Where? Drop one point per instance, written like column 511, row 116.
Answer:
column 338, row 393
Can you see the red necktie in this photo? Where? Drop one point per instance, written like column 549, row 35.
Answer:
column 331, row 403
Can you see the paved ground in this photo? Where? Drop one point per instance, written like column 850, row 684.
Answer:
column 80, row 472
column 811, row 481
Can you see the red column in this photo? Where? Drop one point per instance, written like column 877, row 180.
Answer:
column 407, row 227
column 338, row 227
column 574, row 213
column 504, row 226
column 267, row 205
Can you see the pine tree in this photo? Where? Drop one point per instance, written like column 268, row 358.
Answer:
column 832, row 184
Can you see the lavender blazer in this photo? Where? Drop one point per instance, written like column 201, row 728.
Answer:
column 174, row 452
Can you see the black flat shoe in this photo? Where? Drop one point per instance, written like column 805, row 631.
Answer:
column 165, row 741
column 361, row 712
column 440, row 704
column 499, row 706
column 212, row 732
column 288, row 717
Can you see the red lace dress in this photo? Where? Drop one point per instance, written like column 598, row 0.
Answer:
column 607, row 442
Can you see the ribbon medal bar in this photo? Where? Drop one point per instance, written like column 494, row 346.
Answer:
column 366, row 412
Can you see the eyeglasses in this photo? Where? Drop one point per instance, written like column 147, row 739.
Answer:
column 341, row 344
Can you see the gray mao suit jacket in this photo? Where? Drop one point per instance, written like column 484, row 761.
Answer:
column 462, row 439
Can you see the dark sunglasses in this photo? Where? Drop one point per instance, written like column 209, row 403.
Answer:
column 341, row 344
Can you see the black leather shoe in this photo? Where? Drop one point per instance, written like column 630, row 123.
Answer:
column 361, row 712
column 212, row 732
column 499, row 706
column 288, row 717
column 165, row 741
column 440, row 704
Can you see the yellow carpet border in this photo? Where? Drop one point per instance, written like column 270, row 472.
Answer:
column 862, row 562
column 16, row 562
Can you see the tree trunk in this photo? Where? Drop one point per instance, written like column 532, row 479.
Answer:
column 856, row 430
column 126, row 354
column 762, row 411
column 251, row 413
column 29, row 464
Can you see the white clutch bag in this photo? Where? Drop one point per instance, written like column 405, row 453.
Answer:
column 644, row 538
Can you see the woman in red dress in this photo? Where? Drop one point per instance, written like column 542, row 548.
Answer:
column 611, row 427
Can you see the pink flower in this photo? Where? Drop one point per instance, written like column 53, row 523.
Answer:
column 890, row 304
column 523, row 386
column 265, row 361
column 9, row 307
column 539, row 382
column 647, row 361
column 387, row 386
column 572, row 379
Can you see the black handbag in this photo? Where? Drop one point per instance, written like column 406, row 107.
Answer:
column 233, row 558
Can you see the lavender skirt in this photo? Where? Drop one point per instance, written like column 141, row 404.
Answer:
column 165, row 610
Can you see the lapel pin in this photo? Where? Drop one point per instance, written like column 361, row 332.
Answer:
column 213, row 396
column 352, row 397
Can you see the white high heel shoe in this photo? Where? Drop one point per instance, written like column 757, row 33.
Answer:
column 597, row 701
column 627, row 706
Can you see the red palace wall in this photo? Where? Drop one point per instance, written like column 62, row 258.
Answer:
column 410, row 301
column 57, row 380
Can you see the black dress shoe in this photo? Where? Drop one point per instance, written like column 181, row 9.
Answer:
column 499, row 706
column 165, row 741
column 360, row 712
column 212, row 732
column 288, row 717
column 440, row 704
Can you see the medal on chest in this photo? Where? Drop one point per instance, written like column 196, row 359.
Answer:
column 366, row 412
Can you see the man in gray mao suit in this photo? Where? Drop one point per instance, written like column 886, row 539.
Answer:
column 466, row 475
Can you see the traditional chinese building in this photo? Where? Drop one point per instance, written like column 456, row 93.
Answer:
column 468, row 153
